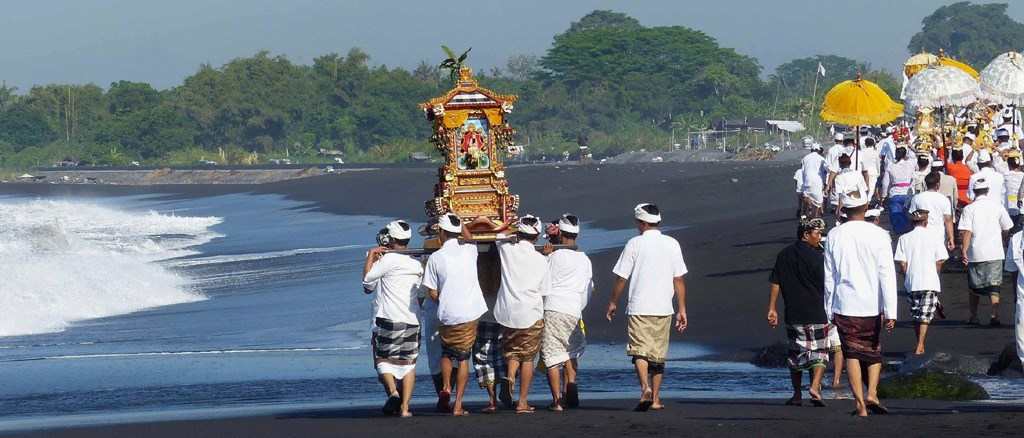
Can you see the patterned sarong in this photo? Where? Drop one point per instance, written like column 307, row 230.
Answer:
column 578, row 341
column 522, row 344
column 808, row 345
column 457, row 340
column 923, row 304
column 396, row 343
column 558, row 328
column 488, row 361
column 861, row 337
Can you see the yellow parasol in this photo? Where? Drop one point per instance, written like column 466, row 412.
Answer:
column 859, row 102
column 946, row 60
column 919, row 62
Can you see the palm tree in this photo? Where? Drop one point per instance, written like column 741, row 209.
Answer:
column 453, row 64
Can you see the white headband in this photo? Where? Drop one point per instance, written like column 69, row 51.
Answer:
column 533, row 229
column 642, row 215
column 396, row 231
column 450, row 223
column 568, row 227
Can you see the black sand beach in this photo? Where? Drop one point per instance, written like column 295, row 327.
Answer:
column 736, row 217
column 740, row 418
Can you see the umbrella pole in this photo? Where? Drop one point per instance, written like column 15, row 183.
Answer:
column 942, row 127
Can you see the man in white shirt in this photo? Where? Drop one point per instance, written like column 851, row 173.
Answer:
column 1015, row 263
column 653, row 264
column 920, row 258
column 837, row 150
column 1012, row 187
column 860, row 292
column 996, row 182
column 887, row 149
column 451, row 279
column 520, row 305
column 940, row 211
column 813, row 171
column 567, row 289
column 396, row 330
column 847, row 180
column 982, row 226
column 970, row 155
column 870, row 165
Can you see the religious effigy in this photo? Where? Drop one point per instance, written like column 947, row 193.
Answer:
column 473, row 136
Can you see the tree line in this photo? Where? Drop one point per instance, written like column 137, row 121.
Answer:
column 608, row 78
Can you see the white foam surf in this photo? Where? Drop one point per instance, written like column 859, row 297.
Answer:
column 67, row 261
column 234, row 258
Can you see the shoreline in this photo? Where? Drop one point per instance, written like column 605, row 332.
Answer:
column 596, row 417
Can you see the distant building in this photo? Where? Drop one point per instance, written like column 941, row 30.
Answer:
column 419, row 156
column 330, row 153
column 67, row 162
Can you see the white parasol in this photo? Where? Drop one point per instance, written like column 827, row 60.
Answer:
column 940, row 85
column 1002, row 81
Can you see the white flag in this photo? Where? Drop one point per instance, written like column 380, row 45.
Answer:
column 821, row 70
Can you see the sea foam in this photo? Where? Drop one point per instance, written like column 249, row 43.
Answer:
column 67, row 261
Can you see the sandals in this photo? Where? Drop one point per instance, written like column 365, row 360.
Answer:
column 793, row 401
column 460, row 413
column 489, row 410
column 646, row 400
column 876, row 408
column 392, row 406
column 443, row 400
column 505, row 395
column 556, row 407
column 527, row 410
column 572, row 395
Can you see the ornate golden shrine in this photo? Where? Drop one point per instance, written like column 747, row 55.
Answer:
column 472, row 134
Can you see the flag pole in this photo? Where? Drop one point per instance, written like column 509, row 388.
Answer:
column 814, row 94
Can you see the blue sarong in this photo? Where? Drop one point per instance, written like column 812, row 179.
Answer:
column 898, row 217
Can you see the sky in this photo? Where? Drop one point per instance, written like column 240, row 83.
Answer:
column 162, row 42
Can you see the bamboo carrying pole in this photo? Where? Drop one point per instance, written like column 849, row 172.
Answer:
column 481, row 246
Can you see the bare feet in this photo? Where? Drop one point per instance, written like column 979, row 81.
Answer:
column 919, row 350
column 406, row 414
column 555, row 407
column 460, row 413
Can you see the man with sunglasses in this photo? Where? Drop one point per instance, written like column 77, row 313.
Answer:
column 567, row 289
column 653, row 264
column 396, row 330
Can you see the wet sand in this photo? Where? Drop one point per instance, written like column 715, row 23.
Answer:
column 741, row 418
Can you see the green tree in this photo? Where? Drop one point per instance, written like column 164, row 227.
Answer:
column 22, row 127
column 974, row 33
column 124, row 97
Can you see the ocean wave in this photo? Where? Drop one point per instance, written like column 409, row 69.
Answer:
column 67, row 261
column 233, row 258
column 185, row 353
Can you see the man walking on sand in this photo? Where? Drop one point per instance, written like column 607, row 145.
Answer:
column 920, row 257
column 396, row 328
column 983, row 224
column 653, row 264
column 799, row 276
column 860, row 288
column 451, row 279
column 520, row 305
column 567, row 289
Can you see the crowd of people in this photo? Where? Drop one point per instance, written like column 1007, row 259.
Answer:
column 498, row 310
column 844, row 280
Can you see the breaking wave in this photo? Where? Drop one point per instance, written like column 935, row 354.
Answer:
column 67, row 261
